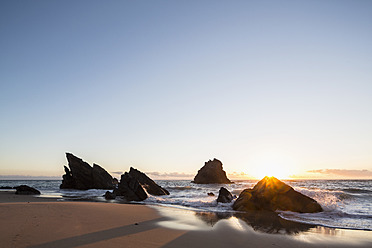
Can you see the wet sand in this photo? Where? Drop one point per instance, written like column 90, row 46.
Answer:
column 27, row 221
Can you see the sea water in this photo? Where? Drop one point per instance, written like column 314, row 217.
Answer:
column 346, row 203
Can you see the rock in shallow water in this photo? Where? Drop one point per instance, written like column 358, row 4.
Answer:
column 26, row 190
column 211, row 172
column 147, row 183
column 130, row 188
column 224, row 196
column 272, row 194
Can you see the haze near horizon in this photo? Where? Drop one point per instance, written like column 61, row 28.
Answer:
column 281, row 88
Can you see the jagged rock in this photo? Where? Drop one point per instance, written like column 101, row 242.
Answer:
column 147, row 183
column 272, row 194
column 224, row 196
column 26, row 190
column 130, row 188
column 109, row 196
column 101, row 178
column 211, row 172
column 82, row 176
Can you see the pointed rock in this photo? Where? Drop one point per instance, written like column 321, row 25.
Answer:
column 130, row 188
column 147, row 183
column 82, row 176
column 224, row 196
column 211, row 172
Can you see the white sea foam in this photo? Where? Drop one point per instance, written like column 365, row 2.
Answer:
column 346, row 203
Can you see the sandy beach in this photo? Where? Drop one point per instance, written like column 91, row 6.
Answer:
column 27, row 221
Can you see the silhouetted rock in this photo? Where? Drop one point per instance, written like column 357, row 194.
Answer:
column 224, row 196
column 82, row 176
column 101, row 178
column 272, row 194
column 130, row 188
column 210, row 194
column 109, row 196
column 147, row 183
column 26, row 190
column 211, row 172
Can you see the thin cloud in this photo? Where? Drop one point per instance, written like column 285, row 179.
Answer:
column 117, row 172
column 344, row 173
column 28, row 177
column 239, row 175
column 169, row 175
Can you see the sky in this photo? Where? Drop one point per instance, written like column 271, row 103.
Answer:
column 267, row 87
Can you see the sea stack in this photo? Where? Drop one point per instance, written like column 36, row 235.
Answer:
column 83, row 176
column 271, row 194
column 211, row 172
column 134, row 186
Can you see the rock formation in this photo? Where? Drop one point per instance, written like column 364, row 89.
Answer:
column 147, row 183
column 211, row 172
column 224, row 196
column 130, row 188
column 82, row 176
column 272, row 194
column 26, row 190
column 133, row 184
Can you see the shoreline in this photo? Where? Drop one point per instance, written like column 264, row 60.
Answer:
column 29, row 221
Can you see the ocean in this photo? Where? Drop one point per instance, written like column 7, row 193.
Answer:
column 347, row 204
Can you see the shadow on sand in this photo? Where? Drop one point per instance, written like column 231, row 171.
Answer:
column 103, row 235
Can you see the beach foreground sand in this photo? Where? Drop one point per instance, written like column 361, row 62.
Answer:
column 27, row 221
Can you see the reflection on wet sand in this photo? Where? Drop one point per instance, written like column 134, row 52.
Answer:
column 211, row 218
column 262, row 221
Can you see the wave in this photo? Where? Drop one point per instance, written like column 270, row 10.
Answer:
column 333, row 219
column 358, row 191
column 179, row 188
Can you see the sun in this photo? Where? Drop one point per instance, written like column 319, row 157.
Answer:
column 277, row 164
column 278, row 169
column 272, row 170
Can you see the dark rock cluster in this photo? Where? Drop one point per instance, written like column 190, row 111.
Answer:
column 130, row 188
column 134, row 185
column 269, row 194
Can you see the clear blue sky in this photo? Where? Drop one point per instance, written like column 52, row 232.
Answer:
column 166, row 85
